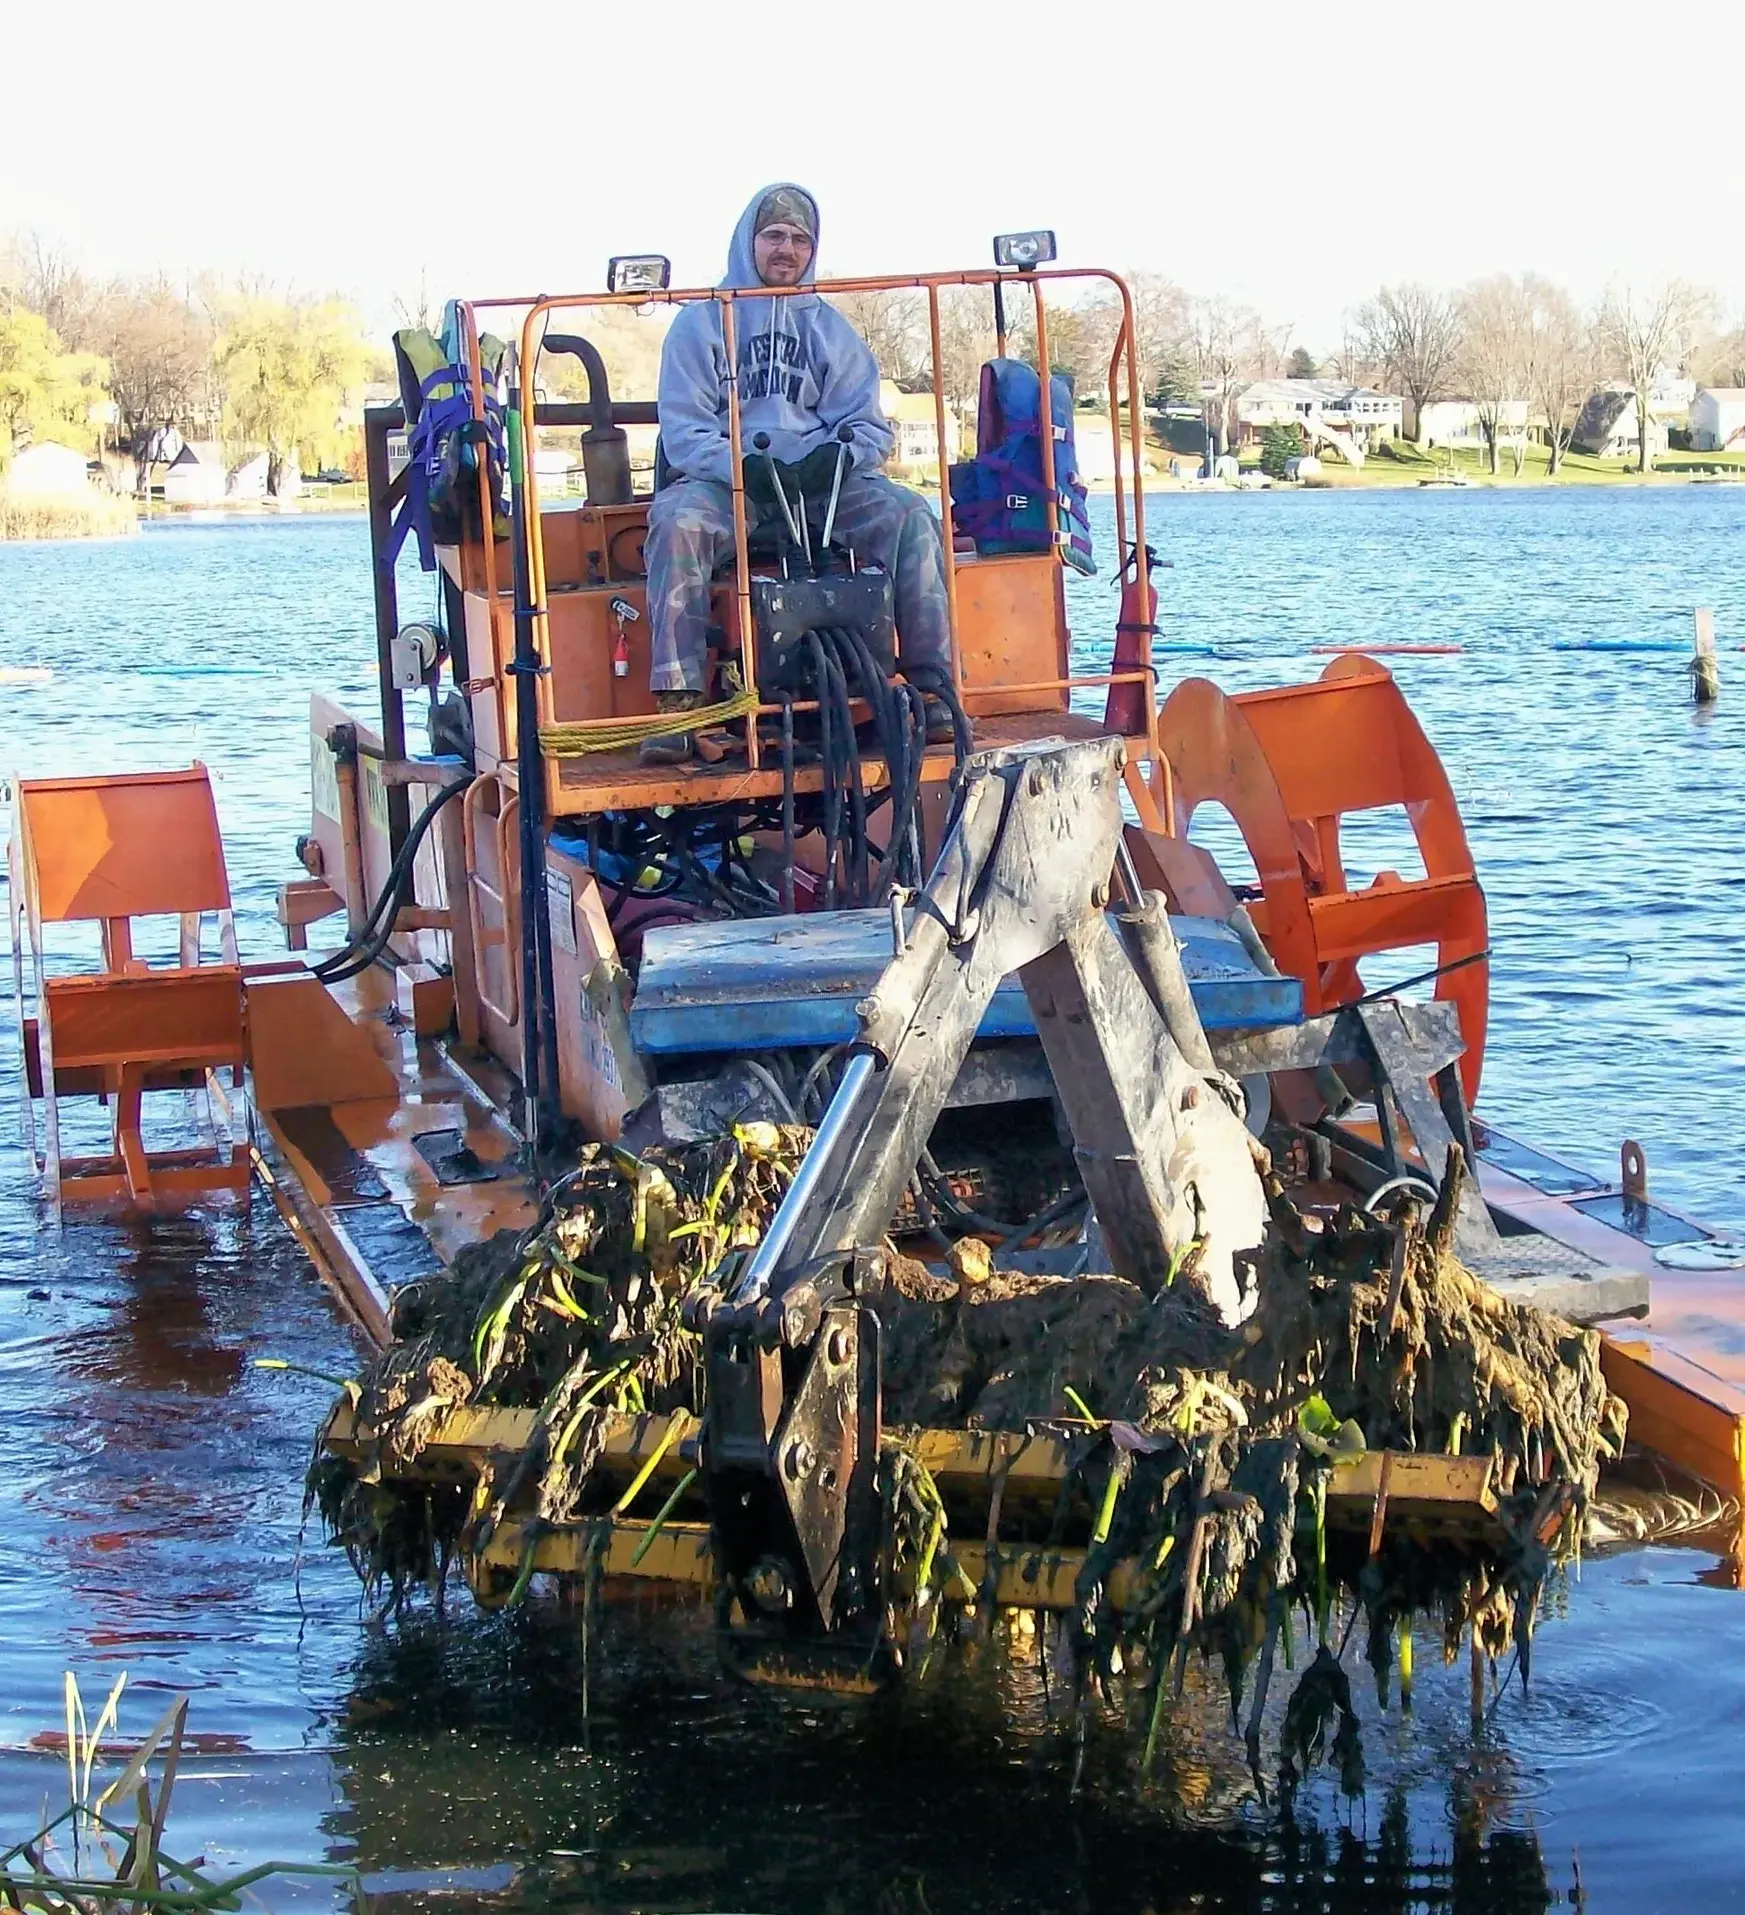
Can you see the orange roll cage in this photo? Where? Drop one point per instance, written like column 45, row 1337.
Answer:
column 1123, row 359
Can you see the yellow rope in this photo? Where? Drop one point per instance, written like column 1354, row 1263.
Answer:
column 577, row 741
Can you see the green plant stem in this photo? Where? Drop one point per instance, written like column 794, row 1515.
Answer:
column 666, row 1509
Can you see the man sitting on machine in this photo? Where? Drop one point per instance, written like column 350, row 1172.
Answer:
column 808, row 401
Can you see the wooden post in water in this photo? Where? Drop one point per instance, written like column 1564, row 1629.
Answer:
column 1705, row 667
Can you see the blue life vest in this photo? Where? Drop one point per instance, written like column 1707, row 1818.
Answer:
column 999, row 497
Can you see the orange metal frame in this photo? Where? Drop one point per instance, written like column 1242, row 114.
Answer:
column 107, row 850
column 1154, row 798
column 1287, row 764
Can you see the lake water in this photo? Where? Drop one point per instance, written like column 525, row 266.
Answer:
column 151, row 1517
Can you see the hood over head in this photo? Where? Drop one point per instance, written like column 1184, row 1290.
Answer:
column 791, row 203
column 802, row 370
column 771, row 317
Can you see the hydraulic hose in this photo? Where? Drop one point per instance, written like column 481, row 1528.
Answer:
column 788, row 805
column 937, row 680
column 832, row 799
column 356, row 957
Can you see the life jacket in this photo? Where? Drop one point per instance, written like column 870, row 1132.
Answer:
column 443, row 439
column 999, row 497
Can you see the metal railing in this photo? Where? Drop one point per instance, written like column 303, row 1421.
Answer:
column 1123, row 356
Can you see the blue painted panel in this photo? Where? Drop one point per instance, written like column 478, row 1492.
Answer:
column 765, row 983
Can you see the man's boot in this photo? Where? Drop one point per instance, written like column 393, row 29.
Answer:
column 677, row 747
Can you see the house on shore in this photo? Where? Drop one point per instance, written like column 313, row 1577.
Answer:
column 1356, row 412
column 914, row 423
column 249, row 480
column 1609, row 428
column 48, row 470
column 1717, row 419
column 1607, row 425
column 197, row 475
column 1458, row 423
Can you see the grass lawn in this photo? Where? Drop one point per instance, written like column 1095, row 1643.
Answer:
column 1400, row 463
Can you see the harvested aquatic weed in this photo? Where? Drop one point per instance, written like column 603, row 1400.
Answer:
column 575, row 1317
column 1199, row 1457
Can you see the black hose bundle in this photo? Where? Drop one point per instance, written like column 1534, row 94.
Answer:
column 694, row 856
column 356, row 956
column 842, row 669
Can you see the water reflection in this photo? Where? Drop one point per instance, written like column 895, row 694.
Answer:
column 153, row 1497
column 466, row 1746
column 165, row 1331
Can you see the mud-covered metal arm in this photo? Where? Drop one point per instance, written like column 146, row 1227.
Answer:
column 1028, row 858
column 1022, row 885
column 792, row 1433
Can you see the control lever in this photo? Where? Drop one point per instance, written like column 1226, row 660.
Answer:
column 846, row 438
column 796, row 529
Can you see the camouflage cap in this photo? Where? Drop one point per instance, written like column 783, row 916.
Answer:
column 787, row 206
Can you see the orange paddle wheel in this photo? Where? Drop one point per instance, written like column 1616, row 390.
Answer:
column 1289, row 764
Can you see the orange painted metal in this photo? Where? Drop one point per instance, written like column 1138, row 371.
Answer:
column 303, row 1049
column 534, row 314
column 1045, row 418
column 1288, row 764
column 1679, row 1408
column 107, row 850
column 493, row 868
column 741, row 533
column 946, row 515
column 1012, row 649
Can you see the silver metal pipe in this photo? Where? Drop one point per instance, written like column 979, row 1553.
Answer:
column 756, row 1280
column 793, row 524
column 1155, row 955
column 1129, row 872
column 835, row 493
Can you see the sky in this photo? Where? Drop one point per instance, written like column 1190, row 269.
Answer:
column 1293, row 156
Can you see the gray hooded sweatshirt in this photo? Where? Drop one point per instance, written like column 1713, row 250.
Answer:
column 803, row 372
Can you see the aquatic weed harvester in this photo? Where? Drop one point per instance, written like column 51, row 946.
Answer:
column 866, row 1176
column 714, row 1353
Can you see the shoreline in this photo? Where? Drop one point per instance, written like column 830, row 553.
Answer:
column 116, row 516
column 1405, row 482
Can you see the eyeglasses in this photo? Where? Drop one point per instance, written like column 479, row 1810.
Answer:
column 786, row 236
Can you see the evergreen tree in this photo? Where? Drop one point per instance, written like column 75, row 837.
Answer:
column 1278, row 446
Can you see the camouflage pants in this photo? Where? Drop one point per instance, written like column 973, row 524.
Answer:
column 690, row 534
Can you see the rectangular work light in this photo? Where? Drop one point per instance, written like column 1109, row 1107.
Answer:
column 1024, row 251
column 638, row 273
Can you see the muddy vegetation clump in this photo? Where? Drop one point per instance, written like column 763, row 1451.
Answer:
column 1204, row 1456
column 1200, row 1458
column 576, row 1318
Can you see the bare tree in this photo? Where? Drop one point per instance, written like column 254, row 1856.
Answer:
column 1643, row 329
column 1161, row 329
column 1413, row 331
column 1720, row 358
column 159, row 351
column 1229, row 345
column 1561, row 361
column 49, row 282
column 422, row 313
column 894, row 325
column 1495, row 326
column 1081, row 338
column 1353, row 362
column 966, row 339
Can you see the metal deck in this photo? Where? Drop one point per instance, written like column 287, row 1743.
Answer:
column 759, row 983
